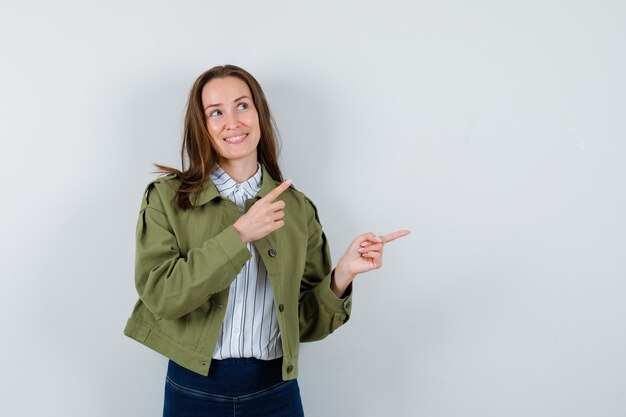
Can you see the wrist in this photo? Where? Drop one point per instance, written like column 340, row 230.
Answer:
column 240, row 233
column 340, row 280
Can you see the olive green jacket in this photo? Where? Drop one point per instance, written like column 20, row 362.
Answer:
column 186, row 260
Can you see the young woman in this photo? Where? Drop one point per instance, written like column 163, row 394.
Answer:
column 233, row 268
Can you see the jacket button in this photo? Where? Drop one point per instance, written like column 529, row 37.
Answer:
column 290, row 368
column 348, row 305
column 281, row 307
column 272, row 252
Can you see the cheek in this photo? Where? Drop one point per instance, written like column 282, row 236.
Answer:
column 252, row 119
column 213, row 128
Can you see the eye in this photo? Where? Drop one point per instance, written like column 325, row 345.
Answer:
column 215, row 113
column 242, row 106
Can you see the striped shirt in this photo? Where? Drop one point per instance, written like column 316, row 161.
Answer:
column 250, row 327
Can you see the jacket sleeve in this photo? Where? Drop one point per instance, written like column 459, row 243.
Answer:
column 321, row 311
column 172, row 285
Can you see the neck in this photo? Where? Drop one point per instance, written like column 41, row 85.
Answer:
column 240, row 171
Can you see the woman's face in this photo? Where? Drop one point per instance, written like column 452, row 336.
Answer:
column 232, row 119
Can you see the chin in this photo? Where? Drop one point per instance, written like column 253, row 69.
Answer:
column 237, row 157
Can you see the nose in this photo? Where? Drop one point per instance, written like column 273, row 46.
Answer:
column 231, row 121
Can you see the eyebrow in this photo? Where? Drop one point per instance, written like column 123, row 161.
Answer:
column 219, row 104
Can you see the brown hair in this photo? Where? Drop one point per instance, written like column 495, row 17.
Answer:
column 198, row 144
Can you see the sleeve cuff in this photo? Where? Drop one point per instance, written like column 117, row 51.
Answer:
column 234, row 248
column 330, row 301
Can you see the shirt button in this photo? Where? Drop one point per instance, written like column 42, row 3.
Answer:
column 272, row 252
column 281, row 307
column 290, row 368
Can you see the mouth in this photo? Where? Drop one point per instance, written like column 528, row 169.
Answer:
column 236, row 139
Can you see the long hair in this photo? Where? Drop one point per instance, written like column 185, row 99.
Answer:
column 198, row 144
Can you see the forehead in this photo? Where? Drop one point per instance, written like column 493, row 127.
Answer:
column 224, row 90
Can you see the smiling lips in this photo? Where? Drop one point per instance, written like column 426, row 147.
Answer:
column 236, row 139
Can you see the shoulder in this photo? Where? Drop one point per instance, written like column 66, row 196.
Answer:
column 291, row 193
column 166, row 180
column 160, row 188
column 306, row 203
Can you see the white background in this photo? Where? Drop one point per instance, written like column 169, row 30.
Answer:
column 495, row 131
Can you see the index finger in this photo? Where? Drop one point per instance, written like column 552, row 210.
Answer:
column 394, row 235
column 278, row 190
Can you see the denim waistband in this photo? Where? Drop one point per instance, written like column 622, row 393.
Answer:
column 230, row 377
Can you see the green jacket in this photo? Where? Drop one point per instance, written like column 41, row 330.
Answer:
column 186, row 260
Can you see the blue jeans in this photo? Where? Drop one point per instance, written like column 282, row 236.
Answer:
column 241, row 387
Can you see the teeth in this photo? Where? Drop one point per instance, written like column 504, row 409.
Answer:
column 235, row 138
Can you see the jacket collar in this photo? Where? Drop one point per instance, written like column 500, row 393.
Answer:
column 210, row 192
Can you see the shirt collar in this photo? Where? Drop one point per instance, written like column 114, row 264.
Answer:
column 210, row 191
column 226, row 185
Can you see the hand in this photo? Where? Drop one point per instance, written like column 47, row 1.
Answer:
column 364, row 254
column 264, row 216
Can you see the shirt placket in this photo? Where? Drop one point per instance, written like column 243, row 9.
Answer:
column 239, row 197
